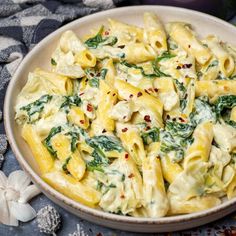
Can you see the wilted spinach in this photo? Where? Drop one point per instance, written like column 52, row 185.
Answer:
column 151, row 135
column 203, row 111
column 97, row 40
column 106, row 143
column 183, row 130
column 95, row 76
column 47, row 141
column 165, row 56
column 212, row 64
column 36, row 106
column 71, row 101
column 225, row 102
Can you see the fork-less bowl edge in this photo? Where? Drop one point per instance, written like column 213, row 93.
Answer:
column 164, row 224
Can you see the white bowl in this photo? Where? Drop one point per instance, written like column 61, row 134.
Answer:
column 40, row 57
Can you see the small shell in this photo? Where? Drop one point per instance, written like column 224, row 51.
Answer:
column 3, row 143
column 18, row 180
column 22, row 212
column 28, row 193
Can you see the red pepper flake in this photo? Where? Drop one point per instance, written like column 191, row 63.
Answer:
column 150, row 89
column 99, row 234
column 181, row 119
column 146, row 91
column 124, row 117
column 108, row 92
column 139, row 94
column 178, row 67
column 106, row 33
column 124, row 130
column 90, row 107
column 104, row 131
column 86, row 80
column 131, row 95
column 147, row 118
column 113, row 94
column 147, row 128
column 156, row 90
column 122, row 196
column 189, row 46
column 168, row 117
column 121, row 46
column 131, row 175
column 81, row 121
column 81, row 94
column 126, row 155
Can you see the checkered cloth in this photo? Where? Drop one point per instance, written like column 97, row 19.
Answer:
column 23, row 23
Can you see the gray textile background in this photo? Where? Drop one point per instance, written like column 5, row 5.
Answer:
column 23, row 23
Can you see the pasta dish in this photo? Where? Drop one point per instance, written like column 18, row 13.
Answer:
column 137, row 121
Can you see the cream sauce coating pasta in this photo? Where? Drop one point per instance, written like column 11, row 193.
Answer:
column 135, row 120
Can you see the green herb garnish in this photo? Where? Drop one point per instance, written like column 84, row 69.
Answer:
column 47, row 141
column 36, row 106
column 53, row 62
column 151, row 135
column 97, row 40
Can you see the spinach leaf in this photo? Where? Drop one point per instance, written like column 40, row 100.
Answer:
column 232, row 77
column 225, row 102
column 97, row 40
column 157, row 72
column 36, row 106
column 47, row 141
column 98, row 162
column 101, row 144
column 179, row 129
column 106, row 143
column 71, row 101
column 182, row 91
column 231, row 123
column 74, row 139
column 139, row 68
column 165, row 56
column 151, row 135
column 112, row 40
column 95, row 76
column 212, row 64
column 53, row 62
column 64, row 166
column 203, row 111
column 180, row 86
column 168, row 144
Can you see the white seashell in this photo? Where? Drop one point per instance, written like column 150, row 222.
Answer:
column 21, row 211
column 28, row 193
column 15, row 191
column 11, row 194
column 3, row 180
column 18, row 180
column 4, row 211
